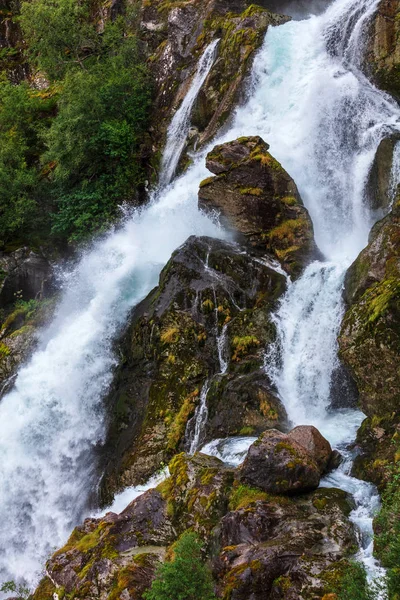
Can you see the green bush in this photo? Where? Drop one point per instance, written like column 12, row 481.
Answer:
column 387, row 538
column 59, row 34
column 353, row 585
column 24, row 116
column 186, row 577
column 94, row 141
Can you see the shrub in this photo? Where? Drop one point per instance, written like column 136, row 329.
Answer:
column 186, row 577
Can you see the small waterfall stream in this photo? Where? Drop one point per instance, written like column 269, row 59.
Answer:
column 179, row 127
column 323, row 121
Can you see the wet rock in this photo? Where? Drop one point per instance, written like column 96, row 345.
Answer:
column 244, row 404
column 382, row 54
column 316, row 445
column 212, row 305
column 280, row 464
column 24, row 275
column 256, row 198
column 196, row 492
column 379, row 180
column 283, row 548
column 177, row 35
column 259, row 545
column 369, row 339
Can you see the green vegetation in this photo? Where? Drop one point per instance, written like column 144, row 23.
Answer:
column 353, row 584
column 19, row 591
column 70, row 154
column 387, row 538
column 186, row 577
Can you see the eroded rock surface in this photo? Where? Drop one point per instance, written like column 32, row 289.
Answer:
column 256, row 198
column 205, row 327
column 258, row 545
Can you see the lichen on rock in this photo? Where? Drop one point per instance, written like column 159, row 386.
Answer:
column 255, row 197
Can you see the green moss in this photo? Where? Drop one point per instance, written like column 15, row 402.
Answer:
column 243, row 495
column 206, row 181
column 247, row 430
column 4, row 350
column 178, row 426
column 251, row 191
column 241, row 345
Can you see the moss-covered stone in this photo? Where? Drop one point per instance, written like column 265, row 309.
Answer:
column 256, row 198
column 210, row 293
column 176, row 34
column 370, row 335
column 382, row 56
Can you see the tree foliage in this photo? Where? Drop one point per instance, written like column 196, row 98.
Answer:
column 186, row 577
column 94, row 141
column 70, row 156
column 24, row 116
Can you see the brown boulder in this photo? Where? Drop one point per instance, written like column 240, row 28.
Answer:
column 316, row 445
column 256, row 198
column 277, row 463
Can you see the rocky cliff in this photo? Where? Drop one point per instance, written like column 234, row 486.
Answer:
column 258, row 544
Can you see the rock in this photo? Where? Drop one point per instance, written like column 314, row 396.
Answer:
column 196, row 492
column 24, row 275
column 256, row 198
column 213, row 298
column 244, row 404
column 382, row 54
column 176, row 35
column 379, row 181
column 369, row 340
column 316, row 445
column 279, row 464
column 285, row 547
column 258, row 545
column 116, row 552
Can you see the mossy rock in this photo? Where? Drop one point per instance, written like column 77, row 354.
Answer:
column 259, row 201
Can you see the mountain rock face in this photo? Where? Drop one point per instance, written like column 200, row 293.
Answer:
column 382, row 53
column 256, row 198
column 257, row 544
column 175, row 37
column 370, row 344
column 201, row 335
column 369, row 339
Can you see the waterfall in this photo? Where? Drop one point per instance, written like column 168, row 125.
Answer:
column 53, row 419
column 179, row 127
column 323, row 121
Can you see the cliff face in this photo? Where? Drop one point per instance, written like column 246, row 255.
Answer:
column 176, row 35
column 382, row 54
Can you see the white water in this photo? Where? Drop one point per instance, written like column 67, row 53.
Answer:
column 180, row 124
column 123, row 499
column 231, row 451
column 200, row 418
column 323, row 121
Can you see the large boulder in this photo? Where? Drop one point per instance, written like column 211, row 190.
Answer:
column 291, row 463
column 256, row 198
column 200, row 335
column 316, row 445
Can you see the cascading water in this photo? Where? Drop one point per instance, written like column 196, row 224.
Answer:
column 53, row 419
column 178, row 130
column 323, row 121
